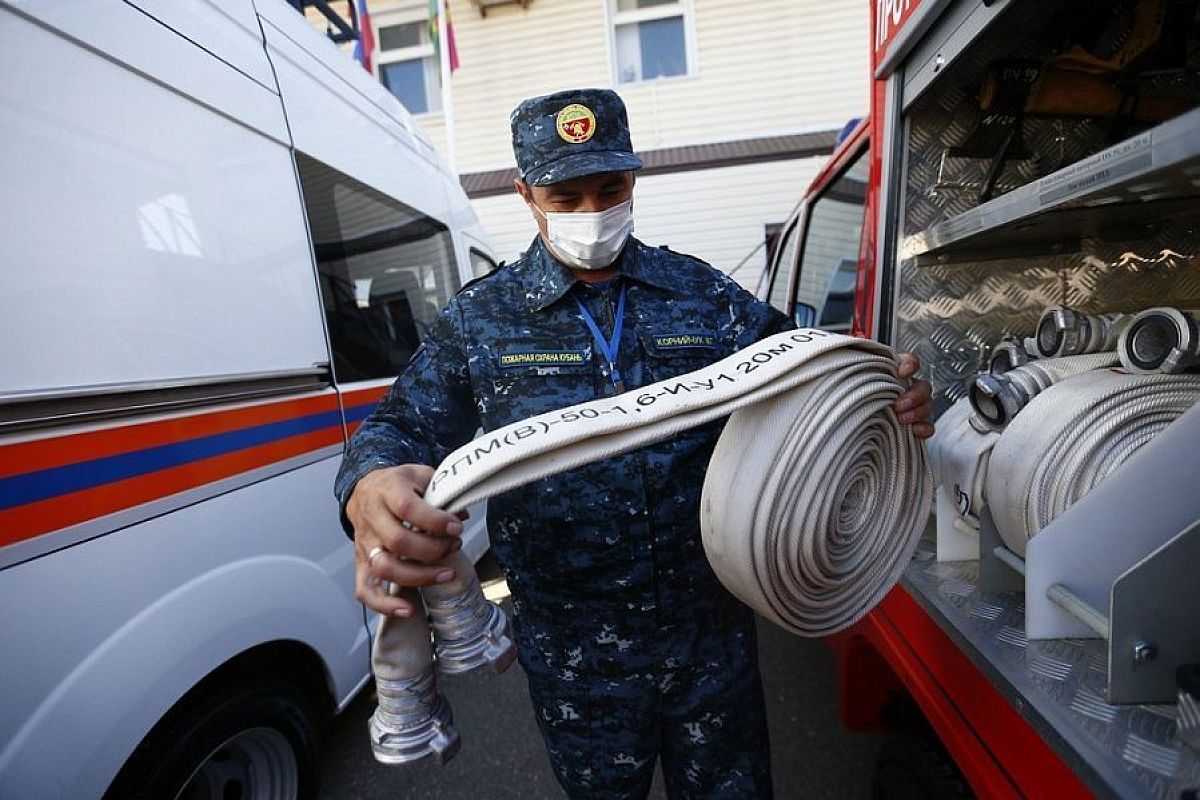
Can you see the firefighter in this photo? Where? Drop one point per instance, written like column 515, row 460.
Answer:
column 632, row 648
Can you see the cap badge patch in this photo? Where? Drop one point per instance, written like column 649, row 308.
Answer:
column 576, row 123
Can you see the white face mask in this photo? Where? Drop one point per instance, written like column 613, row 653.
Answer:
column 589, row 240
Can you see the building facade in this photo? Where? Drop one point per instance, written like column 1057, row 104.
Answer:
column 733, row 104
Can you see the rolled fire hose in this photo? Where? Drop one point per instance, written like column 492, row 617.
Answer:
column 959, row 453
column 997, row 399
column 813, row 502
column 1161, row 340
column 1064, row 331
column 1070, row 438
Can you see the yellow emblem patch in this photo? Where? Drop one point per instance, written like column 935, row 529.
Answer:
column 576, row 123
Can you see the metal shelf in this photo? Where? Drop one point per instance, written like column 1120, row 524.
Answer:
column 1057, row 685
column 1145, row 180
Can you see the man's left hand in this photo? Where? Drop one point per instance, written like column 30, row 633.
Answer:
column 916, row 404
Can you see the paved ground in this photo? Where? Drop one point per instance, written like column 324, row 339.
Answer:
column 502, row 755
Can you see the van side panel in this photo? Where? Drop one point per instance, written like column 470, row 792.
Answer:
column 127, row 37
column 341, row 117
column 226, row 28
column 157, row 234
column 110, row 633
column 158, row 237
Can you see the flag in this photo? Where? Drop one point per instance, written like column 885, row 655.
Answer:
column 364, row 47
column 435, row 35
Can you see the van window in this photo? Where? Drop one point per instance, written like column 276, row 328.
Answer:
column 783, row 268
column 829, row 260
column 385, row 270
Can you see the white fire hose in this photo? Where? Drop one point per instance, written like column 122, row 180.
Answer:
column 959, row 454
column 1072, row 436
column 813, row 502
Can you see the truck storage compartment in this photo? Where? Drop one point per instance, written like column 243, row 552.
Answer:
column 1047, row 170
column 1022, row 190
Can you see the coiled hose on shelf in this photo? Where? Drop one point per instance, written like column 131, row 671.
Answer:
column 1072, row 436
column 812, row 504
column 959, row 454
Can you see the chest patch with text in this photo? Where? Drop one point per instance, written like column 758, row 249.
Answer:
column 543, row 358
column 679, row 341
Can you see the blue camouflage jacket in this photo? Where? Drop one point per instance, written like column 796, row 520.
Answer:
column 619, row 536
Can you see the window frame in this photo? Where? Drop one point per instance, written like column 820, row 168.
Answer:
column 404, row 15
column 474, row 252
column 808, row 207
column 684, row 9
column 792, row 226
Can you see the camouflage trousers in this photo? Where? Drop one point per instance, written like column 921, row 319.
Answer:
column 612, row 697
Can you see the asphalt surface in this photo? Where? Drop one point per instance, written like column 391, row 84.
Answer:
column 502, row 755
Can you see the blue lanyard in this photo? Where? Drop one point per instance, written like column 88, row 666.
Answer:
column 608, row 348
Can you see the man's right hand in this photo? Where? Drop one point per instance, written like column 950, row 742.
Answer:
column 388, row 511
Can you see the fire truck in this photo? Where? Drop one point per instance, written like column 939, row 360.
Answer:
column 1022, row 162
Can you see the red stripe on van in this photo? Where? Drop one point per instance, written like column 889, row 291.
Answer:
column 360, row 397
column 33, row 519
column 57, row 451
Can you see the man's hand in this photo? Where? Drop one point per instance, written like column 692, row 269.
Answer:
column 916, row 404
column 397, row 535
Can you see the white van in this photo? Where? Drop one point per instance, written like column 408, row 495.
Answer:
column 221, row 241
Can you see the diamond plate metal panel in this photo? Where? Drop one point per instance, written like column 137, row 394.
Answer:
column 951, row 315
column 1134, row 749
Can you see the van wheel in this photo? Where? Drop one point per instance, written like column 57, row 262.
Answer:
column 916, row 767
column 240, row 742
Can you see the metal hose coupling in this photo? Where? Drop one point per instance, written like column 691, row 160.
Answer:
column 470, row 631
column 998, row 398
column 1161, row 340
column 1009, row 353
column 1064, row 331
column 412, row 721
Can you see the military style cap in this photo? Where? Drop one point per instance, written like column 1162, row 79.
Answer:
column 565, row 135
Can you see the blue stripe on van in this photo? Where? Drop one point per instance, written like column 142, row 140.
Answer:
column 360, row 412
column 43, row 484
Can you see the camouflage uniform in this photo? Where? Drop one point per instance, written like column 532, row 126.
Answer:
column 631, row 646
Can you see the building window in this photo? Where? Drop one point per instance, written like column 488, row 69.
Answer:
column 651, row 39
column 407, row 67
